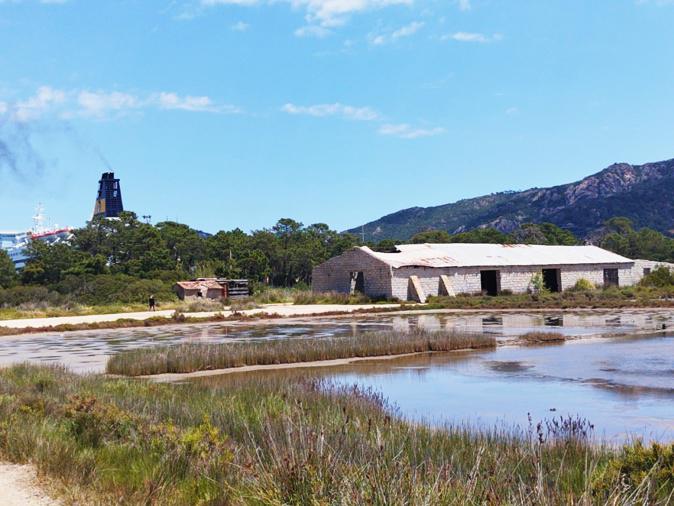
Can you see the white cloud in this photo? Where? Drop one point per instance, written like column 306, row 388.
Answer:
column 33, row 107
column 172, row 101
column 480, row 38
column 318, row 32
column 101, row 104
column 405, row 31
column 240, row 26
column 336, row 109
column 48, row 2
column 512, row 111
column 464, row 5
column 406, row 131
column 209, row 3
column 322, row 13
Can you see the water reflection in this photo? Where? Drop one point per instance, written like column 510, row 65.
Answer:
column 88, row 350
column 625, row 387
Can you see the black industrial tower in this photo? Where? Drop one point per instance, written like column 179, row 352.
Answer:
column 109, row 199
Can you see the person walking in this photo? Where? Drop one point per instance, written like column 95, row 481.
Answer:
column 152, row 303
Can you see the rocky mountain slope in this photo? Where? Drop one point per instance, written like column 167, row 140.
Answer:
column 643, row 193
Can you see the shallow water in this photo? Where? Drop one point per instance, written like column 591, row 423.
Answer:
column 624, row 386
column 85, row 351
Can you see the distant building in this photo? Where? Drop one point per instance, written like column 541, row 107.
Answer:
column 109, row 198
column 419, row 270
column 212, row 288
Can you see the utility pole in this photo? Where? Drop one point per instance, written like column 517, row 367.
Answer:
column 362, row 233
column 147, row 218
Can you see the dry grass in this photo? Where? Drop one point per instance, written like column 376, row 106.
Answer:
column 186, row 358
column 298, row 441
column 542, row 337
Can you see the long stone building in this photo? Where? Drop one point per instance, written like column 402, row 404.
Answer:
column 419, row 270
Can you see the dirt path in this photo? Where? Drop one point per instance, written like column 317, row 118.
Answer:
column 285, row 310
column 19, row 487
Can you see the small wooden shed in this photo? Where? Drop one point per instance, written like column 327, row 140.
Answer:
column 200, row 289
column 212, row 288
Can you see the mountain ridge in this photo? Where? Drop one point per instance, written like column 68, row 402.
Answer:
column 643, row 193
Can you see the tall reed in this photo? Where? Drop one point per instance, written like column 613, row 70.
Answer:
column 185, row 358
column 291, row 439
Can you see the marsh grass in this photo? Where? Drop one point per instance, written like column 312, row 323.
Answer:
column 633, row 296
column 264, row 439
column 186, row 358
column 542, row 337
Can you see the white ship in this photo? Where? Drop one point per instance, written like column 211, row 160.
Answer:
column 16, row 243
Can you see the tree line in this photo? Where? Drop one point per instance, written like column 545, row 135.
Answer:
column 123, row 260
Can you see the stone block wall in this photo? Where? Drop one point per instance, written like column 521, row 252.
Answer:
column 641, row 265
column 335, row 274
column 515, row 279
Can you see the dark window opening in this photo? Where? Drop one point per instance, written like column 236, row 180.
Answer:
column 647, row 271
column 357, row 282
column 611, row 278
column 491, row 282
column 552, row 279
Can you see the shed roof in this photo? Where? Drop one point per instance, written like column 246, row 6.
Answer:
column 198, row 285
column 494, row 255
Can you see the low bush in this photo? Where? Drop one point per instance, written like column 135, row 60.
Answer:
column 266, row 439
column 638, row 467
column 583, row 285
column 661, row 277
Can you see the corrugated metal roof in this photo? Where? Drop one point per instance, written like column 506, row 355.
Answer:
column 198, row 285
column 494, row 255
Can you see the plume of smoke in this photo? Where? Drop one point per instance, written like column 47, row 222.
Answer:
column 18, row 155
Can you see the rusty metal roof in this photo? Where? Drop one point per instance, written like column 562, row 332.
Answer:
column 494, row 255
column 200, row 284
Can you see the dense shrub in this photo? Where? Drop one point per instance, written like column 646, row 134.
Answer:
column 583, row 285
column 31, row 295
column 638, row 467
column 660, row 277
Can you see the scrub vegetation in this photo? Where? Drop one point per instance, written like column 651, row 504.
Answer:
column 583, row 295
column 270, row 439
column 186, row 358
column 112, row 265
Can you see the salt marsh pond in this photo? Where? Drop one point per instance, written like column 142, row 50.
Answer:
column 623, row 385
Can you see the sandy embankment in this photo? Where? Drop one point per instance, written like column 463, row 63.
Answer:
column 19, row 487
column 283, row 310
column 171, row 377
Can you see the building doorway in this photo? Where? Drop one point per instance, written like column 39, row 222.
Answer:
column 552, row 280
column 357, row 283
column 491, row 282
column 611, row 278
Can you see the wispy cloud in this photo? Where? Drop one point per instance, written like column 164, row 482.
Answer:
column 35, row 106
column 323, row 14
column 402, row 32
column 464, row 5
column 480, row 38
column 46, row 2
column 102, row 104
column 406, row 131
column 318, row 32
column 240, row 26
column 336, row 109
column 400, row 130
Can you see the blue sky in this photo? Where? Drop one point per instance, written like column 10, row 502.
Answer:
column 234, row 113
